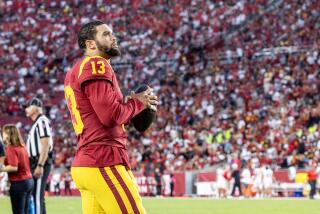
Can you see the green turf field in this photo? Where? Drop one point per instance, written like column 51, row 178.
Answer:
column 69, row 205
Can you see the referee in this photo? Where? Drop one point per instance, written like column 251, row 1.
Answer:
column 39, row 146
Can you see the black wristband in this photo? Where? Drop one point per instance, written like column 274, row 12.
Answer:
column 40, row 165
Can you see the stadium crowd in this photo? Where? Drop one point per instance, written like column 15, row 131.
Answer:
column 252, row 97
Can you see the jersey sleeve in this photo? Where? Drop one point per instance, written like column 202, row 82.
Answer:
column 108, row 108
column 95, row 68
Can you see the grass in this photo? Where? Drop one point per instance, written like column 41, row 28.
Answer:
column 72, row 205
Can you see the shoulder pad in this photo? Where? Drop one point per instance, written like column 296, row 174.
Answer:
column 95, row 67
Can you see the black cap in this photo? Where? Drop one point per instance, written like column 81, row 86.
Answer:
column 33, row 102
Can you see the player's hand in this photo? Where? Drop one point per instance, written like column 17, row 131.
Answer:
column 127, row 98
column 153, row 107
column 153, row 102
column 147, row 97
column 38, row 172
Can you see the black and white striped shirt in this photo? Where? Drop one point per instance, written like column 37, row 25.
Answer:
column 40, row 129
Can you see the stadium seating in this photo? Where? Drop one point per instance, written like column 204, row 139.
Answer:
column 227, row 85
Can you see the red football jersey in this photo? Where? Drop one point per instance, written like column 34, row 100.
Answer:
column 98, row 113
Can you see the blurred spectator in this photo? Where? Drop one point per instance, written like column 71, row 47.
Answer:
column 158, row 179
column 246, row 180
column 312, row 179
column 172, row 184
column 56, row 183
column 67, row 183
column 236, row 179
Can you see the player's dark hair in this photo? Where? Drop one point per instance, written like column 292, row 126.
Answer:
column 88, row 32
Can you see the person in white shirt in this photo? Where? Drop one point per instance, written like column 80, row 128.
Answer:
column 257, row 181
column 292, row 172
column 246, row 179
column 267, row 181
column 221, row 183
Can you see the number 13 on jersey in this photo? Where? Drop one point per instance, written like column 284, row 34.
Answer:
column 73, row 108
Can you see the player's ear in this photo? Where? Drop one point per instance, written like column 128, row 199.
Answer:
column 91, row 44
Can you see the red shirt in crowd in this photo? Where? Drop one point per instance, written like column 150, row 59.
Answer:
column 312, row 175
column 98, row 113
column 17, row 156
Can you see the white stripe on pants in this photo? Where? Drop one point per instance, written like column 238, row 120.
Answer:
column 38, row 193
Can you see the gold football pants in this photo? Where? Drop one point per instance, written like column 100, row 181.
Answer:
column 108, row 190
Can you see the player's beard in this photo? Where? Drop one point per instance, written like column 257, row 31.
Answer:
column 112, row 52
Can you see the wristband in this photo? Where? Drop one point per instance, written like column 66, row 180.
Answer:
column 40, row 165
